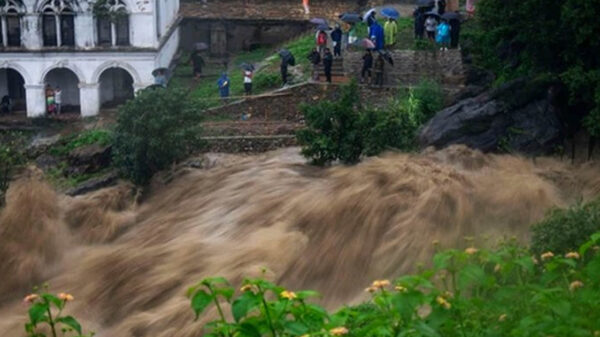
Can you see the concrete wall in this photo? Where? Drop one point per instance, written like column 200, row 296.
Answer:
column 410, row 67
column 168, row 50
column 241, row 35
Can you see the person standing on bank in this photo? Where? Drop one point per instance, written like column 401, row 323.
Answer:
column 431, row 27
column 390, row 30
column 315, row 60
column 197, row 63
column 336, row 37
column 327, row 63
column 248, row 74
column 306, row 6
column 321, row 41
column 223, row 85
column 58, row 100
column 366, row 68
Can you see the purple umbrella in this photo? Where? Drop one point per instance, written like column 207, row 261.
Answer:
column 365, row 43
column 318, row 21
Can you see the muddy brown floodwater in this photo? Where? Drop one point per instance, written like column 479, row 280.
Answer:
column 334, row 230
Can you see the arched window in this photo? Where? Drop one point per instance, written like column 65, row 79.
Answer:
column 10, row 22
column 112, row 23
column 58, row 23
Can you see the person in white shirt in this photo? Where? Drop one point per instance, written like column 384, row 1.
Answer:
column 248, row 82
column 58, row 100
column 431, row 27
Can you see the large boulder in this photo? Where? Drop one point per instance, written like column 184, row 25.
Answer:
column 89, row 159
column 519, row 116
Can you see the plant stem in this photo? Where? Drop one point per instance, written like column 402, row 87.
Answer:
column 267, row 313
column 51, row 321
column 218, row 306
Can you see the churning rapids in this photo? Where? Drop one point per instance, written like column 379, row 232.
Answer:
column 128, row 264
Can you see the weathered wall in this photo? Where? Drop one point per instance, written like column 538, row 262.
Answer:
column 411, row 66
column 285, row 105
column 240, row 34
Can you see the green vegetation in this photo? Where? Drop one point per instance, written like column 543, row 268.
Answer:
column 345, row 130
column 69, row 143
column 476, row 292
column 46, row 310
column 11, row 158
column 554, row 38
column 155, row 130
column 565, row 229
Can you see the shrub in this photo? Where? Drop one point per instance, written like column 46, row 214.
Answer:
column 333, row 129
column 565, row 230
column 466, row 293
column 154, row 130
column 344, row 130
column 266, row 80
column 11, row 157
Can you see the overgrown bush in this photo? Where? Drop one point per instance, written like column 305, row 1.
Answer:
column 11, row 157
column 333, row 129
column 466, row 293
column 265, row 80
column 101, row 137
column 155, row 130
column 566, row 229
column 345, row 130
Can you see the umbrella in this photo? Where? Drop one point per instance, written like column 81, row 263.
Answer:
column 157, row 71
column 451, row 16
column 323, row 27
column 201, row 46
column 387, row 57
column 425, row 3
column 247, row 66
column 365, row 43
column 350, row 17
column 368, row 14
column 432, row 14
column 285, row 54
column 318, row 21
column 390, row 12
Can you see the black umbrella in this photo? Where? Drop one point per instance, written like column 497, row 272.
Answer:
column 386, row 56
column 247, row 66
column 284, row 53
column 350, row 17
column 451, row 16
column 318, row 21
column 432, row 14
column 425, row 3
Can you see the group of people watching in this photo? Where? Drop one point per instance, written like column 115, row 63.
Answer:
column 53, row 100
column 432, row 22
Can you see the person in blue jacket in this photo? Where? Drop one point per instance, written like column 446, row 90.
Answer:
column 377, row 35
column 223, row 84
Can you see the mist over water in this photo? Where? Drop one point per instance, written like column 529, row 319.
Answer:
column 334, row 230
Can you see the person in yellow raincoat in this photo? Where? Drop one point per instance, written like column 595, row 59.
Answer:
column 390, row 30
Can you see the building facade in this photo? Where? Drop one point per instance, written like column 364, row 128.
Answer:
column 99, row 52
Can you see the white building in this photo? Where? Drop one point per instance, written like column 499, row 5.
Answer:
column 99, row 52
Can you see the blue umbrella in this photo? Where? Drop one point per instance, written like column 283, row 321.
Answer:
column 390, row 12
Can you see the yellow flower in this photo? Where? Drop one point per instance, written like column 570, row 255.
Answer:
column 30, row 298
column 596, row 248
column 443, row 302
column 381, row 283
column 547, row 255
column 290, row 295
column 371, row 289
column 471, row 250
column 597, row 333
column 448, row 294
column 435, row 242
column 307, row 335
column 65, row 297
column 502, row 318
column 497, row 268
column 339, row 331
column 401, row 289
column 575, row 284
column 246, row 287
column 572, row 255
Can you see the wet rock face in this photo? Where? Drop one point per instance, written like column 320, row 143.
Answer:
column 89, row 159
column 518, row 117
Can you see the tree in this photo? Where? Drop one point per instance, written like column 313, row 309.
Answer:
column 156, row 129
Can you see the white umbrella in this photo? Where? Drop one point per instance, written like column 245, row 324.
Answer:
column 368, row 14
